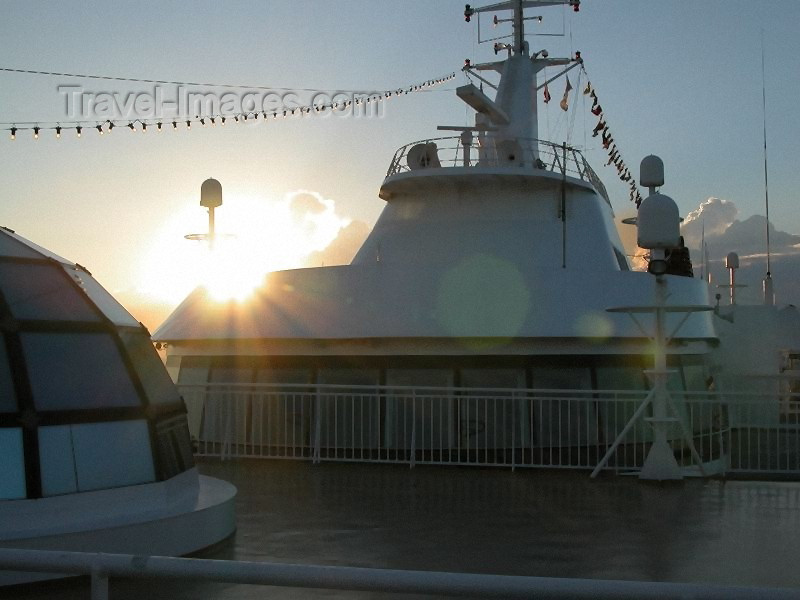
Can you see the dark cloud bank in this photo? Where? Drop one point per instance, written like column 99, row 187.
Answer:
column 724, row 233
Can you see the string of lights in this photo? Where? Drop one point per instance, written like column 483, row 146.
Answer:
column 103, row 126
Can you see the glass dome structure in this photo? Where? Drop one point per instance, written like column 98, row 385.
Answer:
column 85, row 401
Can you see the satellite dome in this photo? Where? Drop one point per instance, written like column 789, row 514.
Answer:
column 211, row 193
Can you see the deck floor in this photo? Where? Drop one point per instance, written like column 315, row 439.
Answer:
column 528, row 522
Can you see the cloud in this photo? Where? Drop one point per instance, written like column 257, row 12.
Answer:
column 724, row 233
column 316, row 217
column 343, row 247
column 715, row 215
column 302, row 202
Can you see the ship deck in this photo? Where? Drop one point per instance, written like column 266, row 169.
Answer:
column 557, row 524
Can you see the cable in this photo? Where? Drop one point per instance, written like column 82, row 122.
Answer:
column 168, row 82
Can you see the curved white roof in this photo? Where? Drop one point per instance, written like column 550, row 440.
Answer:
column 469, row 258
column 85, row 402
column 481, row 296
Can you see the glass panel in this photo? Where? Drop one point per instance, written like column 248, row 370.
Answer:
column 173, row 365
column 193, row 370
column 616, row 409
column 174, row 446
column 57, row 460
column 282, row 415
column 269, row 375
column 423, row 415
column 493, row 378
column 562, row 419
column 8, row 399
column 348, row 376
column 71, row 371
column 234, row 374
column 112, row 454
column 101, row 298
column 493, row 419
column 620, row 378
column 157, row 384
column 696, row 379
column 35, row 291
column 350, row 418
column 238, row 402
column 9, row 246
column 12, row 465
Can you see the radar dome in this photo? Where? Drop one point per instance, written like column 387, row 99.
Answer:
column 658, row 223
column 211, row 193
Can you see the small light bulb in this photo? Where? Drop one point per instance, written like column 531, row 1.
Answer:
column 213, row 123
column 131, row 127
column 110, row 126
column 144, row 127
column 202, row 121
column 188, row 124
column 78, row 129
column 100, row 129
column 36, row 132
column 174, row 126
column 159, row 125
column 13, row 133
column 58, row 132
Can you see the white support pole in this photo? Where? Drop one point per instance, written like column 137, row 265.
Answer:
column 631, row 422
column 660, row 463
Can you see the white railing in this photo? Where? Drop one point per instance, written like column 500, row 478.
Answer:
column 101, row 566
column 738, row 432
column 533, row 153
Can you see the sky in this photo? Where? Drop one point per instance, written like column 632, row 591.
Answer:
column 678, row 78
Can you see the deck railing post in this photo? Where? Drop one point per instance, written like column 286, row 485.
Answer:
column 513, row 431
column 413, row 457
column 99, row 584
column 317, row 426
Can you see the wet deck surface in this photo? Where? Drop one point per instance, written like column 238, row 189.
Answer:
column 558, row 524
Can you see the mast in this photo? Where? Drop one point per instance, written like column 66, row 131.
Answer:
column 519, row 28
column 512, row 115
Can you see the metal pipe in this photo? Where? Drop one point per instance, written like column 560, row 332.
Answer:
column 378, row 580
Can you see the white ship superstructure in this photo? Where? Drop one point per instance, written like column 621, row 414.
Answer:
column 488, row 274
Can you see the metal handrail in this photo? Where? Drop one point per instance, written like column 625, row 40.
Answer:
column 536, row 154
column 734, row 431
column 101, row 566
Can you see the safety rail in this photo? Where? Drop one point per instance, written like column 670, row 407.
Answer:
column 101, row 566
column 531, row 428
column 528, row 153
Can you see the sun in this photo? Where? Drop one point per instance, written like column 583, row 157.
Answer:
column 256, row 235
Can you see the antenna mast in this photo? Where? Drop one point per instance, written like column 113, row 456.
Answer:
column 769, row 291
column 519, row 27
